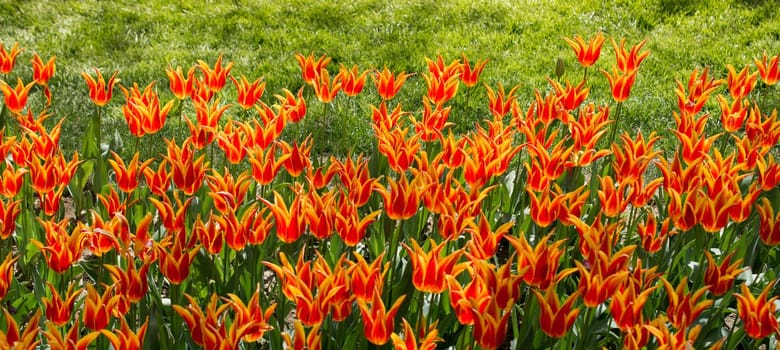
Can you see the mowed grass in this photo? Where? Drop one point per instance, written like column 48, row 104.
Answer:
column 522, row 39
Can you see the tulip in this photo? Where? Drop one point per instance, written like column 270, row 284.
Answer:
column 398, row 149
column 620, row 83
column 8, row 213
column 248, row 94
column 384, row 121
column 16, row 98
column 429, row 338
column 233, row 140
column 58, row 310
column 626, row 306
column 301, row 341
column 684, row 307
column 98, row 308
column 7, row 274
column 430, row 268
column 758, row 314
column 769, row 227
column 294, row 109
column 628, row 62
column 377, row 320
column 368, row 277
column 264, row 164
column 768, row 70
column 556, row 319
column 99, row 91
column 500, row 102
column 325, row 89
column 587, row 53
column 158, row 181
column 42, row 73
column 490, row 326
column 61, row 250
column 742, row 83
column 7, row 59
column 181, row 86
column 13, row 338
column 298, row 159
column 470, row 74
column 388, row 84
column 217, row 77
column 440, row 90
column 352, row 82
column 290, row 223
column 124, row 338
column 311, row 68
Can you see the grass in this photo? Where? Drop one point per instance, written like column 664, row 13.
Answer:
column 522, row 39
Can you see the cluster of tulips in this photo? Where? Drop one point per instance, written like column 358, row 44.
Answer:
column 543, row 217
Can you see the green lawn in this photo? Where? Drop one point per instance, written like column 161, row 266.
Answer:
column 522, row 39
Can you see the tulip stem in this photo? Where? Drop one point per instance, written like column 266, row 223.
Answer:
column 393, row 257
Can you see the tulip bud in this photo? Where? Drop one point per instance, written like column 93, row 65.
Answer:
column 559, row 68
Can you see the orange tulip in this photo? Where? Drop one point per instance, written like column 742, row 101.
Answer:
column 98, row 308
column 356, row 178
column 368, row 277
column 205, row 328
column 8, row 214
column 131, row 283
column 652, row 240
column 470, row 299
column 733, row 115
column 158, row 180
column 8, row 59
column 402, row 200
column 181, row 86
column 440, row 90
column 620, row 83
column 433, row 120
column 762, row 129
column 352, row 82
column 490, row 326
column 570, row 97
column 290, row 223
column 142, row 110
column 187, row 171
column 544, row 208
column 264, row 164
column 699, row 90
column 16, row 98
column 378, row 322
column 349, row 225
column 124, row 338
column 311, row 68
column 61, row 250
column 398, row 149
column 758, row 314
column 484, row 240
column 742, row 83
column 248, row 94
column 430, row 268
column 542, row 260
column 768, row 173
column 388, row 84
column 7, row 274
column 440, row 70
column 556, row 319
column 227, row 192
column 265, row 133
column 252, row 316
column 176, row 258
column 611, row 197
column 12, row 180
column 587, row 53
column 769, row 227
column 73, row 340
column 298, row 159
column 628, row 62
column 470, row 75
column 325, row 89
column 13, row 338
column 768, row 70
column 384, row 121
column 684, row 306
column 127, row 175
column 58, row 310
column 201, row 91
column 217, row 77
column 42, row 73
column 99, row 91
column 234, row 139
column 51, row 200
column 428, row 338
column 294, row 109
column 720, row 278
column 500, row 102
column 301, row 341
column 626, row 306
